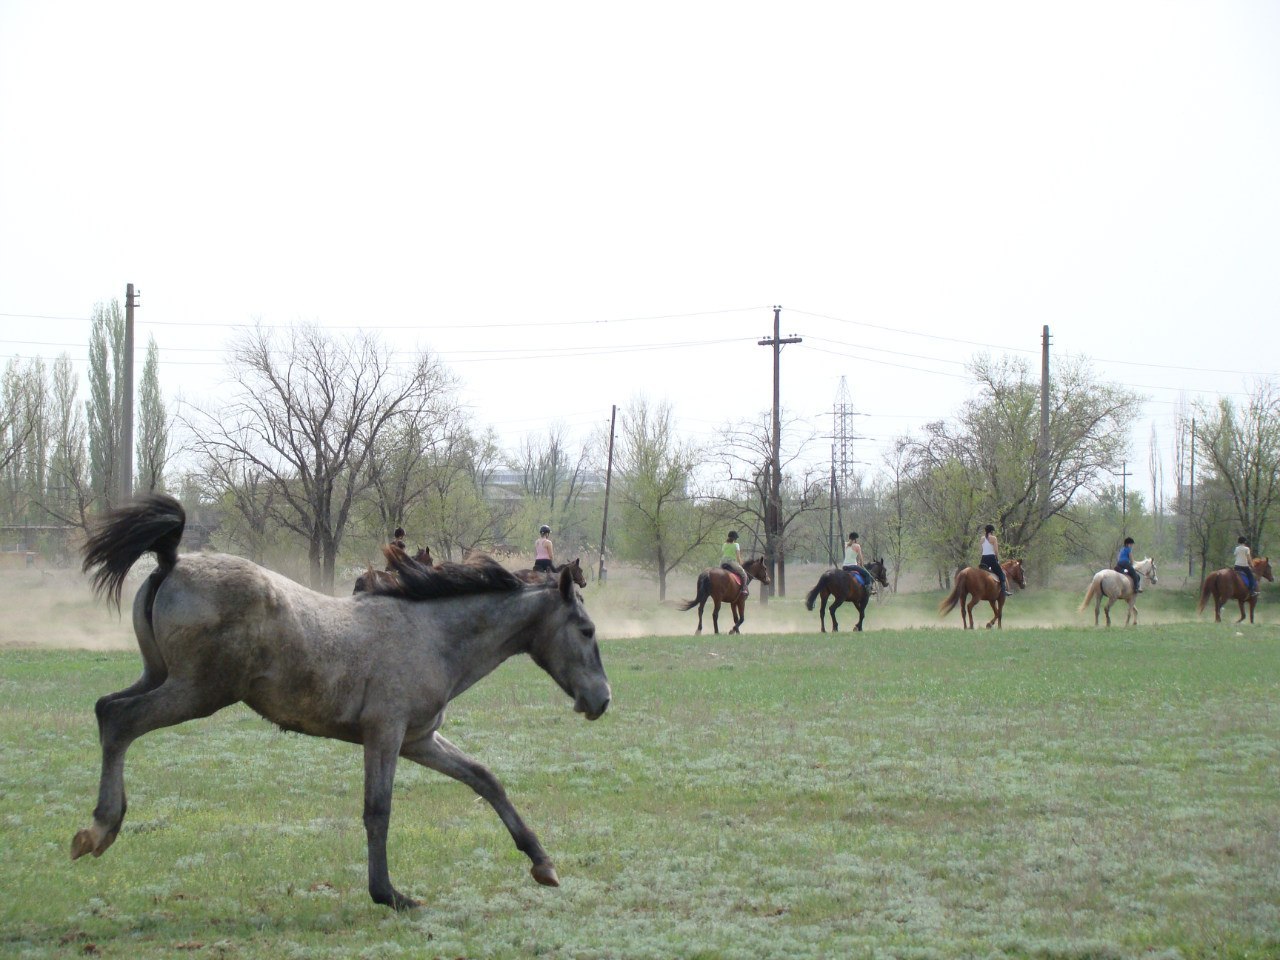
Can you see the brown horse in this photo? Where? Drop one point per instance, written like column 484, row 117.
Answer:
column 1225, row 584
column 843, row 585
column 719, row 585
column 982, row 585
column 574, row 567
column 371, row 578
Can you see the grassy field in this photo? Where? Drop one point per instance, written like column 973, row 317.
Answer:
column 1053, row 793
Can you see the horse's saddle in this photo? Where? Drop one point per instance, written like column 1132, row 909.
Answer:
column 736, row 579
column 859, row 579
column 1243, row 579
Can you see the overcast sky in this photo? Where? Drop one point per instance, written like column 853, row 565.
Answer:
column 579, row 204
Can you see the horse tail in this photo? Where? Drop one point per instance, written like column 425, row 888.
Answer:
column 1095, row 588
column 704, row 591
column 1206, row 589
column 153, row 523
column 949, row 604
column 813, row 594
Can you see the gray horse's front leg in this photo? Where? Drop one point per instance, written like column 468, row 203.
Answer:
column 436, row 752
column 379, row 775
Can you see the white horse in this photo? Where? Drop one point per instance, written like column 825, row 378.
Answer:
column 1115, row 585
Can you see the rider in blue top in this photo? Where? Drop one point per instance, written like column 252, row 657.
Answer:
column 1124, row 564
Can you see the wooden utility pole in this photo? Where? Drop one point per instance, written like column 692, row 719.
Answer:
column 608, row 482
column 126, row 425
column 774, row 554
column 1124, row 498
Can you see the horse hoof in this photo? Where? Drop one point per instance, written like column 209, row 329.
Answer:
column 90, row 840
column 545, row 874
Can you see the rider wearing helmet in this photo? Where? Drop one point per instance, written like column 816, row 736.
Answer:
column 542, row 552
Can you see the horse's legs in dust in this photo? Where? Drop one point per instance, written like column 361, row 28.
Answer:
column 715, row 614
column 972, row 624
column 1133, row 609
column 997, row 619
column 835, row 627
column 862, row 612
column 738, row 608
column 1110, row 601
column 122, row 719
column 436, row 752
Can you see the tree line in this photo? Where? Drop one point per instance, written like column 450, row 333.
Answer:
column 320, row 445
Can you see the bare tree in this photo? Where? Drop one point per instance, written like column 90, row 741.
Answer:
column 68, row 495
column 745, row 453
column 307, row 411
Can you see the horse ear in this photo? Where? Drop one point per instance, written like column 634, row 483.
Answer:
column 566, row 583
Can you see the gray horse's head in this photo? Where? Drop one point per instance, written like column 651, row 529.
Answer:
column 566, row 648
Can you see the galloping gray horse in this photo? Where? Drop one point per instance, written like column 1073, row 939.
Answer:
column 377, row 669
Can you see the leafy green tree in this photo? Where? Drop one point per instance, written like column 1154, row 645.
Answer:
column 105, row 406
column 985, row 466
column 1241, row 450
column 153, row 425
column 660, row 523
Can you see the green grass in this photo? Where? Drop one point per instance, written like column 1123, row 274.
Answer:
column 1058, row 794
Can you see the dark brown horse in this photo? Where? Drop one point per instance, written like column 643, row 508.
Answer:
column 371, row 578
column 843, row 585
column 1225, row 584
column 982, row 585
column 574, row 567
column 720, row 586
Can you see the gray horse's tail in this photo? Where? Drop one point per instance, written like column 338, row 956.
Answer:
column 704, row 591
column 153, row 523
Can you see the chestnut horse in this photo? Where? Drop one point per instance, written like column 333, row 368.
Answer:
column 843, row 585
column 371, row 579
column 1226, row 584
column 574, row 567
column 982, row 585
column 720, row 586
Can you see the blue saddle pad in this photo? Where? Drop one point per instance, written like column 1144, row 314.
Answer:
column 858, row 578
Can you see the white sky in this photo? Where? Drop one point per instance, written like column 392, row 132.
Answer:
column 574, row 204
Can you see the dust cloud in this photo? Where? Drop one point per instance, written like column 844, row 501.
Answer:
column 55, row 607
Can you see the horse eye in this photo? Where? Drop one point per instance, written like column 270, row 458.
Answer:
column 589, row 632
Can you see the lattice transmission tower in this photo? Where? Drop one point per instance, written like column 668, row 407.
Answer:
column 843, row 461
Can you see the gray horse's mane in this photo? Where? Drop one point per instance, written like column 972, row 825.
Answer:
column 417, row 581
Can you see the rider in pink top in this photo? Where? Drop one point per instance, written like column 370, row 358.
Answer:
column 542, row 553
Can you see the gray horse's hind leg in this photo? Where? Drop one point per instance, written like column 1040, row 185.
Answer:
column 439, row 754
column 122, row 718
column 380, row 752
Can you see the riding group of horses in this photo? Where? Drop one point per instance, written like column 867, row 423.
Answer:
column 972, row 586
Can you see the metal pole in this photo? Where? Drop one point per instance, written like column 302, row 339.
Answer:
column 126, row 426
column 1044, row 424
column 608, row 481
column 1191, row 505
